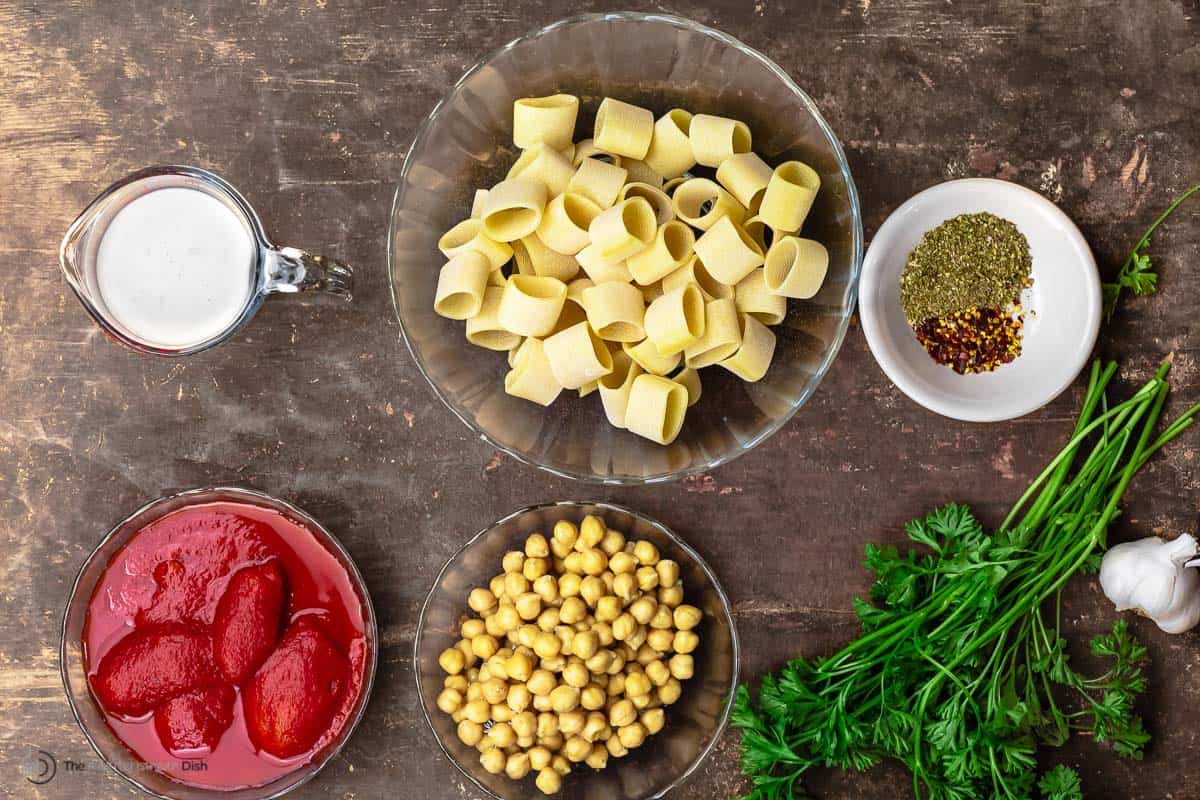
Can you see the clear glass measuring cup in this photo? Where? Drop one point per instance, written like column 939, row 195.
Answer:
column 268, row 269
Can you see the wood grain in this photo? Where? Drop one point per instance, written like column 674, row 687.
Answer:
column 309, row 106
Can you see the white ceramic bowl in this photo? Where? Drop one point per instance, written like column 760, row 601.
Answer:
column 1063, row 305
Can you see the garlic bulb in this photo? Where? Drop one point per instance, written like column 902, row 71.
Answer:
column 1152, row 577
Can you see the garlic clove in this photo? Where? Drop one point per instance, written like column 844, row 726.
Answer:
column 1151, row 576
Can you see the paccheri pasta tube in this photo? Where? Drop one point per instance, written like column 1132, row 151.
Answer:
column 606, row 266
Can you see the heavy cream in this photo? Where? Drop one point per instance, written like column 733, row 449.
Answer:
column 175, row 267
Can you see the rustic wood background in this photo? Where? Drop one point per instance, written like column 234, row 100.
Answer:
column 309, row 106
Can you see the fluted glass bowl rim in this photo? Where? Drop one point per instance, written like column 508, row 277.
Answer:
column 370, row 631
column 675, row 539
column 851, row 284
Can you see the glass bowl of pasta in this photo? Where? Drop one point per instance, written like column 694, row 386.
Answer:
column 650, row 235
column 676, row 727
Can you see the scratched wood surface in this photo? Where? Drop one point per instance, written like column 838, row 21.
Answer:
column 309, row 106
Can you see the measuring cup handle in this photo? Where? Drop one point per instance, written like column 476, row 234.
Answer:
column 291, row 270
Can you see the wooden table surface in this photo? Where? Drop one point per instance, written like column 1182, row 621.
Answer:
column 309, row 106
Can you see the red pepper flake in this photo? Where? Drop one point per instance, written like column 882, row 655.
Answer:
column 975, row 340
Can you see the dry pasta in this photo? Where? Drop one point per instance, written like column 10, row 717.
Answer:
column 598, row 181
column 623, row 128
column 564, row 226
column 796, row 267
column 700, row 203
column 789, row 196
column 543, row 163
column 722, row 335
column 676, row 320
column 615, row 387
column 623, row 230
column 513, row 209
column 545, row 119
column 728, row 252
column 461, row 285
column 753, row 355
column 484, row 329
column 752, row 297
column 603, row 266
column 715, row 139
column 530, row 305
column 672, row 246
column 670, row 153
column 616, row 311
column 469, row 235
column 532, row 378
column 745, row 176
column 577, row 356
column 656, row 408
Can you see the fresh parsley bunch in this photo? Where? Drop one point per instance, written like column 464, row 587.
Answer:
column 961, row 670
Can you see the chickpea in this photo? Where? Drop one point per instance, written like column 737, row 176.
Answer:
column 685, row 642
column 635, row 640
column 493, row 760
column 559, row 551
column 555, row 664
column 560, row 765
column 508, row 617
column 613, row 542
column 598, row 663
column 477, row 711
column 622, row 563
column 572, row 610
column 449, row 700
column 501, row 734
column 591, row 531
column 512, row 561
column 598, row 758
column 541, row 702
column 646, row 654
column 658, row 673
column 668, row 572
column 681, row 666
column 592, row 589
column 622, row 713
column 642, row 701
column 653, row 720
column 547, row 724
column 524, row 724
column 546, row 645
column 595, row 727
column 456, row 682
column 471, row 628
column 569, row 585
column 565, row 531
column 647, row 578
column 474, row 691
column 669, row 693
column 546, row 588
column 495, row 690
column 553, row 742
column 571, row 722
column 481, row 600
column 660, row 640
column 663, row 619
column 536, row 546
column 617, row 665
column 670, row 595
column 576, row 675
column 564, row 699
column 623, row 627
column 687, row 617
column 452, row 660
column 519, row 697
column 585, row 644
column 484, row 646
column 529, row 605
column 549, row 619
column 502, row 713
column 496, row 587
column 608, row 579
column 526, row 635
column 616, row 685
column 515, row 584
column 643, row 610
column 593, row 561
column 625, row 587
column 566, row 638
column 534, row 568
column 517, row 766
column 632, row 735
column 636, row 685
column 541, row 682
column 573, row 563
column 548, row 781
column 593, row 697
column 603, row 632
column 539, row 758
column 469, row 732
column 615, row 748
column 577, row 749
column 646, row 553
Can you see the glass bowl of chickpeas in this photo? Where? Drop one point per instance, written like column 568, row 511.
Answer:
column 576, row 649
